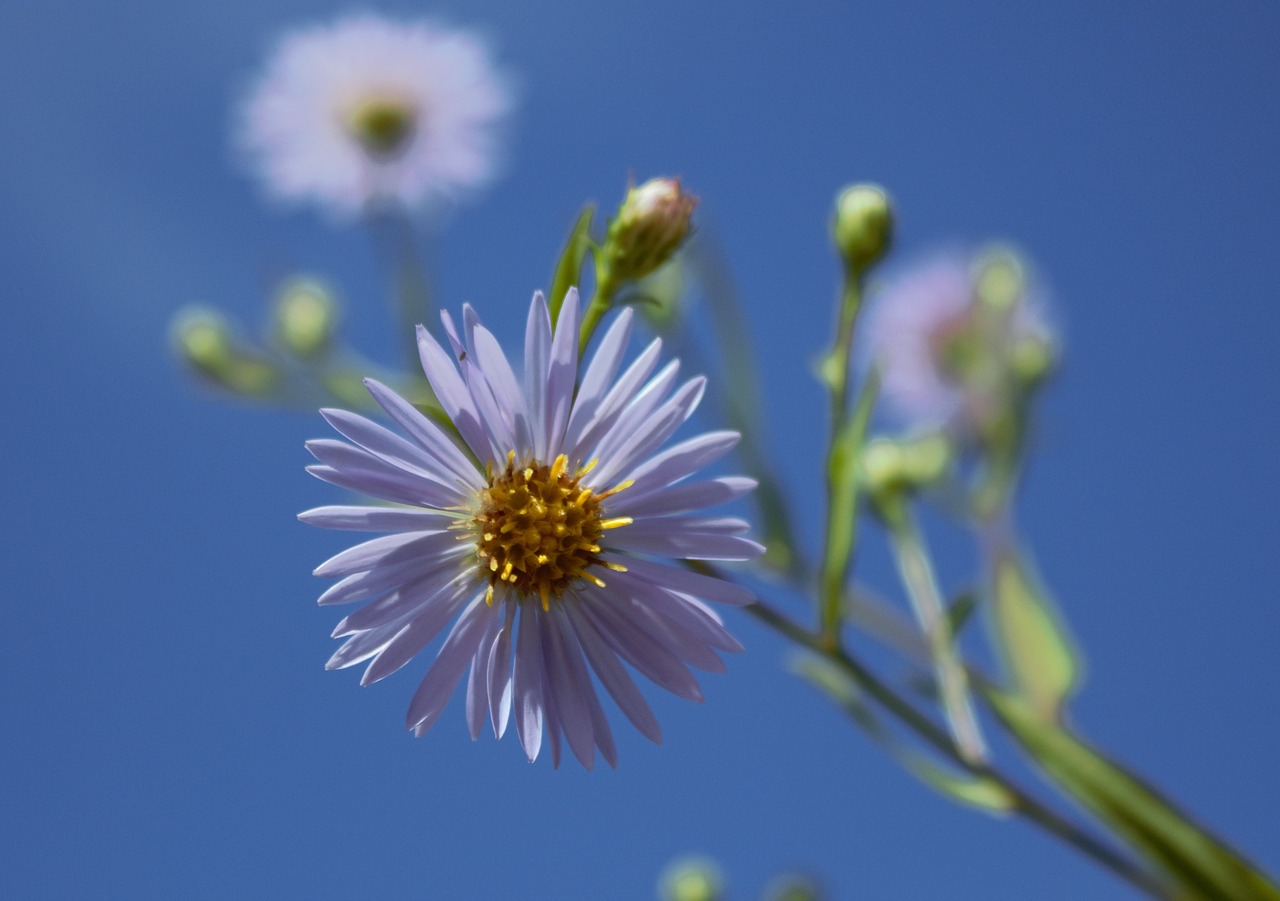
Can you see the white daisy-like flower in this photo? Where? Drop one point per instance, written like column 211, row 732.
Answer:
column 369, row 110
column 547, row 557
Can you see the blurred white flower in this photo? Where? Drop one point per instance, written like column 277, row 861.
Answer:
column 955, row 337
column 369, row 110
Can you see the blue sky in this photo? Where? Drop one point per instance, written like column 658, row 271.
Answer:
column 171, row 730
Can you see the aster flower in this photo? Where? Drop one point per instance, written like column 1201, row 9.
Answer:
column 547, row 558
column 949, row 352
column 369, row 110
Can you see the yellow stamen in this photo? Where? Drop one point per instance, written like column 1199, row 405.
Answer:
column 558, row 467
column 621, row 486
column 540, row 528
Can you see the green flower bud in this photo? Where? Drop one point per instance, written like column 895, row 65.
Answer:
column 1000, row 279
column 651, row 224
column 882, row 467
column 1032, row 359
column 205, row 343
column 892, row 467
column 863, row 225
column 793, row 887
column 691, row 879
column 925, row 459
column 306, row 314
column 202, row 339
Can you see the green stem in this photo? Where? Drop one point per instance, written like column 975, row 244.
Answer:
column 600, row 304
column 835, row 560
column 411, row 300
column 937, row 737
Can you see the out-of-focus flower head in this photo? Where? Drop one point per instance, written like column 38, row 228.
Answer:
column 558, row 534
column 368, row 110
column 958, row 339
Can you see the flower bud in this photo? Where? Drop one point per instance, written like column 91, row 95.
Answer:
column 1000, row 279
column 651, row 224
column 1032, row 358
column 202, row 339
column 205, row 343
column 691, row 879
column 863, row 225
column 891, row 467
column 793, row 887
column 305, row 316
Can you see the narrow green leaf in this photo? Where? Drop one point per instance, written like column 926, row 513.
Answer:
column 973, row 789
column 1036, row 649
column 738, row 387
column 976, row 791
column 960, row 612
column 568, row 272
column 1135, row 811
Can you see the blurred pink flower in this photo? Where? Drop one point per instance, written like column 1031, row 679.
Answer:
column 368, row 110
column 945, row 358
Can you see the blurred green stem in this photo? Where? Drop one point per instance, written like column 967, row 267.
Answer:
column 411, row 291
column 938, row 738
column 835, row 560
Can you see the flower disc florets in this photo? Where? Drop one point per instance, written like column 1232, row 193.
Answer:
column 538, row 530
column 383, row 125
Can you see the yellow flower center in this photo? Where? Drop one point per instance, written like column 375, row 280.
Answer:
column 383, row 125
column 538, row 529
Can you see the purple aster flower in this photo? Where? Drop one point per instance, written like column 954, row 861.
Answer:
column 372, row 110
column 945, row 355
column 553, row 558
